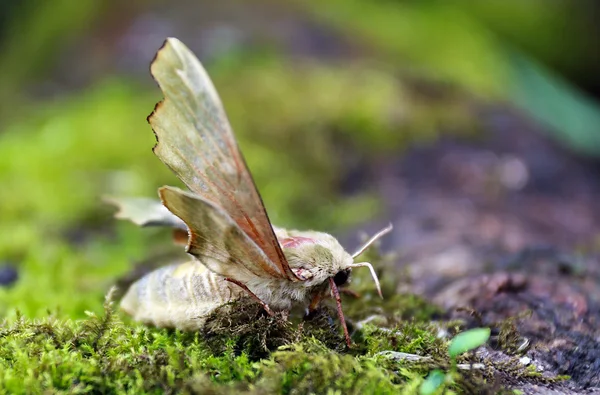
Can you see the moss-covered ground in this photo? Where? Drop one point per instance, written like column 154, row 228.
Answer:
column 246, row 351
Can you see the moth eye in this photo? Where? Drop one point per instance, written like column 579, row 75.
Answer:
column 341, row 277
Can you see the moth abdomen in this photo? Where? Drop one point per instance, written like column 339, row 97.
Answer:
column 177, row 296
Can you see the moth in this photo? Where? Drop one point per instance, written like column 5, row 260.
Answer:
column 235, row 251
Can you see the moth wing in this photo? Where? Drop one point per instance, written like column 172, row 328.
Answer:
column 145, row 212
column 196, row 141
column 216, row 239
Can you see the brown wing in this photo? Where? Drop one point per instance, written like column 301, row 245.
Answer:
column 196, row 141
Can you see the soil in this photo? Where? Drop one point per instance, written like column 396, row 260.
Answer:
column 503, row 225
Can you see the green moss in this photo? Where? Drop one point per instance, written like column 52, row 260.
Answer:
column 242, row 349
column 102, row 354
column 244, row 327
column 509, row 338
column 311, row 368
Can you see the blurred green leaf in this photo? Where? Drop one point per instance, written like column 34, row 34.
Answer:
column 468, row 340
column 34, row 37
column 572, row 118
column 559, row 33
column 433, row 38
column 432, row 383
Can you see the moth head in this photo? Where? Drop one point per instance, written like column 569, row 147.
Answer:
column 315, row 257
column 320, row 257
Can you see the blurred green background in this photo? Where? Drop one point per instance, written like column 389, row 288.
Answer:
column 316, row 91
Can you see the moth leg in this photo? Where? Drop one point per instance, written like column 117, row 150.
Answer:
column 245, row 288
column 315, row 301
column 338, row 301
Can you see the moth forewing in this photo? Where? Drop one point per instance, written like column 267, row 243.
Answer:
column 195, row 140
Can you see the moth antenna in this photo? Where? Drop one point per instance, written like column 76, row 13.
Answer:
column 338, row 301
column 373, row 239
column 373, row 274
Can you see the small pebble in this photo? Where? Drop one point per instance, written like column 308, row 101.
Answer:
column 8, row 275
column 525, row 360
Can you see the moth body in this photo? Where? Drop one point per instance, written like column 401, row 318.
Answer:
column 178, row 296
column 182, row 295
column 236, row 250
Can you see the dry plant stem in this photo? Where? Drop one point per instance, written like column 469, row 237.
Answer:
column 245, row 288
column 338, row 300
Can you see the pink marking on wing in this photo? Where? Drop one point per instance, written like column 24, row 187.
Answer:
column 299, row 273
column 292, row 242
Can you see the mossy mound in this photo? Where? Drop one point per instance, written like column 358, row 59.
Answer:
column 242, row 349
column 103, row 354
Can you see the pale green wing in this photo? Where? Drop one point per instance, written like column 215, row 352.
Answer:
column 145, row 212
column 216, row 240
column 196, row 141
